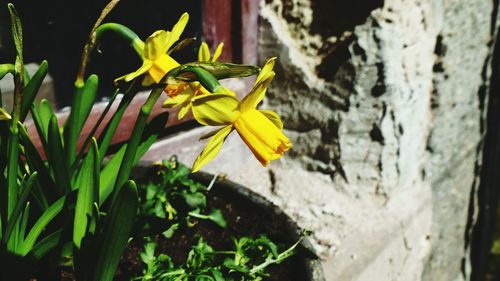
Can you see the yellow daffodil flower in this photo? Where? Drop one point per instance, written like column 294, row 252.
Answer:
column 156, row 61
column 180, row 93
column 261, row 130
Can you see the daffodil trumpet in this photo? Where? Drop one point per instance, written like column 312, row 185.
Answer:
column 261, row 130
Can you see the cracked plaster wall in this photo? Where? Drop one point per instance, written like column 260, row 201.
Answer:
column 384, row 103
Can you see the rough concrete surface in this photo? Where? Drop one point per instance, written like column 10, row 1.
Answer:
column 384, row 103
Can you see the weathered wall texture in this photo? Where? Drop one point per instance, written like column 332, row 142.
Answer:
column 385, row 105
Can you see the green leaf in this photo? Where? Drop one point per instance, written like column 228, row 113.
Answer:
column 56, row 157
column 39, row 125
column 215, row 216
column 36, row 163
column 217, row 275
column 116, row 232
column 87, row 183
column 110, row 172
column 46, row 217
column 96, row 126
column 83, row 100
column 42, row 114
column 12, row 169
column 46, row 245
column 32, row 89
column 110, row 129
column 195, row 200
column 20, row 205
column 22, row 226
column 218, row 69
column 135, row 141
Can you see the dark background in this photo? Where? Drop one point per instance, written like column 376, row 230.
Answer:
column 57, row 31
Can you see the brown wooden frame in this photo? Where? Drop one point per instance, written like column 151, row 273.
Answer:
column 223, row 21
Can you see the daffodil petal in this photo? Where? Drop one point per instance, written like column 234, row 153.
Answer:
column 146, row 65
column 147, row 81
column 212, row 149
column 256, row 94
column 184, row 110
column 177, row 30
column 156, row 45
column 273, row 117
column 210, row 134
column 224, row 90
column 179, row 99
column 162, row 66
column 266, row 70
column 264, row 139
column 218, row 51
column 203, row 52
column 215, row 109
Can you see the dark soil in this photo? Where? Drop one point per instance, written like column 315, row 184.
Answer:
column 243, row 218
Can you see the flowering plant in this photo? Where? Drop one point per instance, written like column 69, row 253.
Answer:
column 84, row 208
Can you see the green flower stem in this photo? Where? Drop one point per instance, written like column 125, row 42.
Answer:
column 126, row 33
column 204, row 77
column 94, row 129
column 135, row 140
column 13, row 146
column 108, row 133
column 91, row 42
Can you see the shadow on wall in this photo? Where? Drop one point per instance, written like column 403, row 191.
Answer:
column 341, row 16
column 338, row 18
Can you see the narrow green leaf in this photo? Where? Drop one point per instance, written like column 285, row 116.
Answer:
column 24, row 224
column 20, row 205
column 110, row 171
column 134, row 141
column 39, row 125
column 87, row 183
column 36, row 163
column 83, row 100
column 56, row 157
column 32, row 89
column 42, row 114
column 110, row 129
column 46, row 217
column 46, row 245
column 116, row 232
column 12, row 168
column 97, row 124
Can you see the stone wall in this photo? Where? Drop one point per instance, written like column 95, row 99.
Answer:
column 385, row 105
